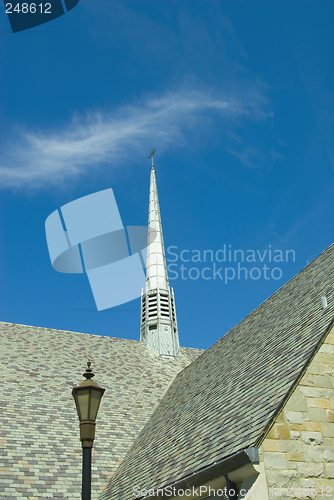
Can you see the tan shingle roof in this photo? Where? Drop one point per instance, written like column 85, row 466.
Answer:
column 39, row 427
column 224, row 400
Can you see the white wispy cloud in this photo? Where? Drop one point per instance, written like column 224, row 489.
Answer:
column 36, row 157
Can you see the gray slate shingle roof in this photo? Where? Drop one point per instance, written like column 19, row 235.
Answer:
column 224, row 400
column 39, row 428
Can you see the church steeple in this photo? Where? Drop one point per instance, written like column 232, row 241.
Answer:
column 158, row 318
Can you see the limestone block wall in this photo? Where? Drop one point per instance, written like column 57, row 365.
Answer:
column 298, row 452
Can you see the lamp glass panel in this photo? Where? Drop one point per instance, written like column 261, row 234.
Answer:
column 94, row 403
column 83, row 402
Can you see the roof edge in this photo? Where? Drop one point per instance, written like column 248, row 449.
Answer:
column 273, row 294
column 248, row 456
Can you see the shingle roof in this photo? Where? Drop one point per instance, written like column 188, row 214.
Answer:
column 224, row 400
column 39, row 428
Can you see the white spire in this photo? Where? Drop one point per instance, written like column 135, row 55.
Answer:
column 158, row 318
column 156, row 269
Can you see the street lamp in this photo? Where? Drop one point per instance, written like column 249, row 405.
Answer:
column 87, row 400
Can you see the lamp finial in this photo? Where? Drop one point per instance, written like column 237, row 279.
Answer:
column 89, row 372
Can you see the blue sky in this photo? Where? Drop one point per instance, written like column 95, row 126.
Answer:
column 237, row 99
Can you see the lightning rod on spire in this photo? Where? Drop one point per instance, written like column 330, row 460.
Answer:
column 151, row 155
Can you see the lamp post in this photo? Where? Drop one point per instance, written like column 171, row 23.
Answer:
column 87, row 400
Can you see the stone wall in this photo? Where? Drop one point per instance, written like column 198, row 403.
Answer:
column 298, row 452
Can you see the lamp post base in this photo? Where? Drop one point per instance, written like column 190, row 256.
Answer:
column 86, row 473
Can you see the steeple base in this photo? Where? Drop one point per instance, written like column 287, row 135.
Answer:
column 158, row 322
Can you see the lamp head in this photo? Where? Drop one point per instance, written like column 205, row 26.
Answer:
column 87, row 397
